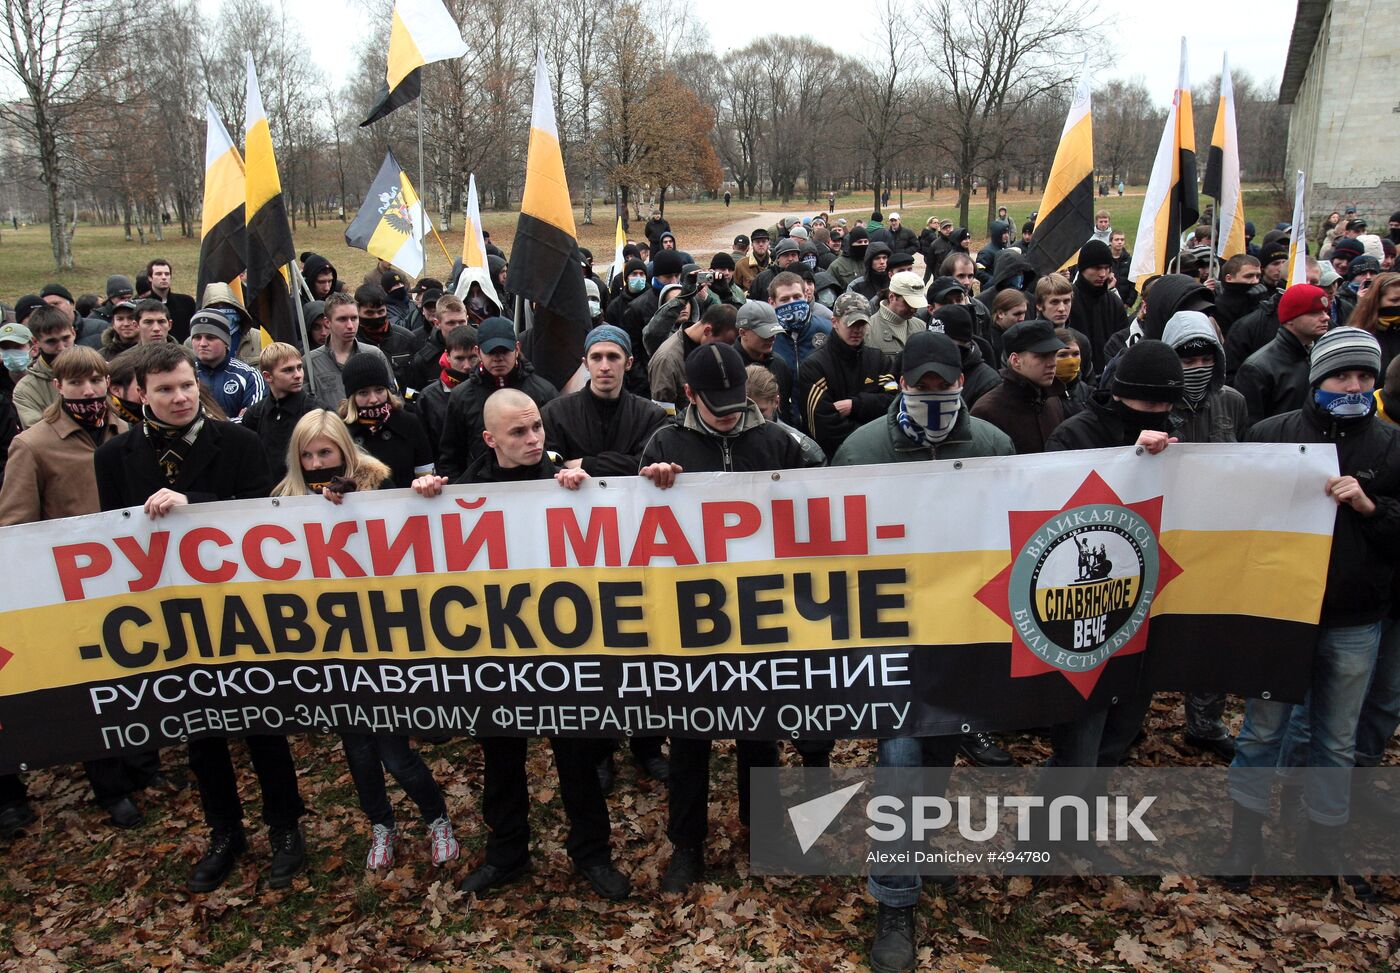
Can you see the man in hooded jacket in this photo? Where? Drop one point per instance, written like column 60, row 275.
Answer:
column 875, row 279
column 1163, row 297
column 999, row 238
column 1097, row 310
column 851, row 263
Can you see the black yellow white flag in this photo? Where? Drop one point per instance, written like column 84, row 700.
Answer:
column 1066, row 211
column 270, row 247
column 1222, row 177
column 1172, row 203
column 223, row 243
column 475, row 269
column 422, row 31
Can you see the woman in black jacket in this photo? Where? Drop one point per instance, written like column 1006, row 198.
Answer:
column 379, row 423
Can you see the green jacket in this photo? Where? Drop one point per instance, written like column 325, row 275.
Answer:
column 882, row 441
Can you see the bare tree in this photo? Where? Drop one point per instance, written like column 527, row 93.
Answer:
column 1126, row 126
column 882, row 101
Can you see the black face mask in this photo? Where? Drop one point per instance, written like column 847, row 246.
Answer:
column 318, row 480
column 90, row 413
column 1236, row 288
column 1138, row 421
column 127, row 410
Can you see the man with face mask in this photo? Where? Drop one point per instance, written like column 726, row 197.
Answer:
column 1339, row 409
column 1030, row 403
column 1274, row 379
column 803, row 332
column 633, row 284
column 1240, row 291
column 873, row 283
column 926, row 420
column 851, row 263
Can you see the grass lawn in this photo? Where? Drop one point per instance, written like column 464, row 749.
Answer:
column 26, row 261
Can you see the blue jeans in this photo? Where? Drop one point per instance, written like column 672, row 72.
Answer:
column 902, row 891
column 1343, row 662
column 1380, row 714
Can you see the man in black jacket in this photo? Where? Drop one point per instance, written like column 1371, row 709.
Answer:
column 1240, row 290
column 179, row 456
column 957, row 322
column 515, row 435
column 845, row 383
column 1274, row 379
column 722, row 431
column 502, row 367
column 601, row 430
column 274, row 415
column 758, row 331
column 398, row 344
column 1097, row 310
column 1340, row 410
column 459, row 361
column 449, row 314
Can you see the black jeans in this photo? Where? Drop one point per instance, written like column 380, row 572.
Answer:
column 370, row 756
column 212, row 767
column 688, row 786
column 113, row 778
column 505, row 801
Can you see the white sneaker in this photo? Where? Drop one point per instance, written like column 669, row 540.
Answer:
column 381, row 848
column 442, row 841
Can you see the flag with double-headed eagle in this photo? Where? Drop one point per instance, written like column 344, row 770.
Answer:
column 391, row 223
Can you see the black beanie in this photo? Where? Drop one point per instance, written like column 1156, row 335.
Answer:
column 666, row 262
column 721, row 261
column 1150, row 370
column 858, row 234
column 1095, row 253
column 363, row 371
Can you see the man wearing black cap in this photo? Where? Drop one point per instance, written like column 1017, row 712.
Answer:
column 1273, row 265
column 1029, row 404
column 1096, row 311
column 502, row 367
column 845, row 383
column 119, row 289
column 1359, row 275
column 851, row 263
column 666, row 268
column 785, row 256
column 926, row 420
column 754, row 262
column 956, row 321
column 722, row 431
column 87, row 331
column 740, row 249
column 179, row 456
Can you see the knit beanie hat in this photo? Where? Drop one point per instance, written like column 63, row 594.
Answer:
column 1347, row 247
column 1343, row 349
column 365, row 370
column 667, row 262
column 721, row 261
column 1301, row 299
column 1150, row 370
column 1095, row 253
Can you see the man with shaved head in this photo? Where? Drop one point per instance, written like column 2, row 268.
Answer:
column 514, row 438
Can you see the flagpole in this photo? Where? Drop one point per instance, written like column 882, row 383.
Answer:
column 423, row 186
column 301, row 322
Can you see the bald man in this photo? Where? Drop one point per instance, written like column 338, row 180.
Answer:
column 514, row 434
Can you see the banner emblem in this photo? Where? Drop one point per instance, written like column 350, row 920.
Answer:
column 1081, row 582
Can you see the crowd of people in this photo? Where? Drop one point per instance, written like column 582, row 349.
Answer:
column 817, row 341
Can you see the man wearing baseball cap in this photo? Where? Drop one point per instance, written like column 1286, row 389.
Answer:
column 758, row 331
column 1338, row 409
column 722, row 431
column 740, row 249
column 1030, row 402
column 754, row 262
column 785, row 257
column 926, row 420
column 897, row 317
column 1274, row 379
column 845, row 383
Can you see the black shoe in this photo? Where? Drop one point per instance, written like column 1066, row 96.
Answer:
column 893, row 948
column 607, row 775
column 211, row 870
column 490, row 876
column 657, row 768
column 14, row 818
column 1326, row 845
column 982, row 749
column 288, row 856
column 686, row 867
column 1224, row 747
column 606, row 880
column 1246, row 850
column 125, row 814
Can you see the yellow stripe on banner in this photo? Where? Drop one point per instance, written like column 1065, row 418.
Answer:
column 404, row 55
column 223, row 189
column 1271, row 574
column 546, row 191
column 1074, row 161
column 263, row 183
column 1261, row 573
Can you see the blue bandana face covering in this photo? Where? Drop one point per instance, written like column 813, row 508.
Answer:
column 1346, row 405
column 794, row 314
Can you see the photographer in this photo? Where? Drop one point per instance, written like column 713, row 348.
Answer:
column 681, row 304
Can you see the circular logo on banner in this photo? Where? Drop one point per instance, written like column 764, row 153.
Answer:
column 1081, row 586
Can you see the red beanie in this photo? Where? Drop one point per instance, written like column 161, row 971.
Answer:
column 1301, row 299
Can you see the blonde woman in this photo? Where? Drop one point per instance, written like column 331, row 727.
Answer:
column 322, row 458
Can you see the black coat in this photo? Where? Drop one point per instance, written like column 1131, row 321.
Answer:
column 461, row 435
column 485, row 469
column 225, row 462
column 430, row 406
column 1097, row 426
column 758, row 446
column 1361, row 569
column 400, row 444
column 1274, row 379
column 426, row 364
column 609, row 444
column 979, row 378
column 1028, row 414
column 836, row 371
column 399, row 346
column 1096, row 312
column 273, row 420
column 1234, row 301
column 1248, row 334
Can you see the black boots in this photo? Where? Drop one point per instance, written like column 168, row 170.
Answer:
column 1246, row 850
column 211, row 870
column 893, row 949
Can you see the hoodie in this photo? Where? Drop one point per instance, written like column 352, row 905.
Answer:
column 315, row 265
column 1010, row 271
column 851, row 264
column 986, row 257
column 871, row 283
column 1221, row 417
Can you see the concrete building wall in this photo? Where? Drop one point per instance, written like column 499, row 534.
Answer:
column 1344, row 128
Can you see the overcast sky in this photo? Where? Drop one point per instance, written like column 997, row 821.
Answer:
column 1144, row 42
